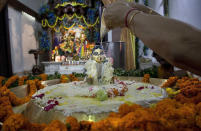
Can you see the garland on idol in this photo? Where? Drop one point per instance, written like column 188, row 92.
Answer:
column 46, row 22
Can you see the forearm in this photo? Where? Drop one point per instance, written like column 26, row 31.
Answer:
column 177, row 42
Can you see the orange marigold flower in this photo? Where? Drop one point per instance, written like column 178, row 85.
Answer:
column 146, row 78
column 109, row 124
column 15, row 122
column 115, row 92
column 1, row 79
column 5, row 108
column 195, row 99
column 198, row 108
column 43, row 77
column 31, row 87
column 21, row 80
column 35, row 127
column 11, row 80
column 138, row 119
column 39, row 85
column 85, row 125
column 64, row 79
column 55, row 125
column 198, row 121
column 73, row 123
column 114, row 114
column 73, row 78
column 18, row 101
column 170, row 82
column 4, row 91
column 124, row 109
column 185, row 81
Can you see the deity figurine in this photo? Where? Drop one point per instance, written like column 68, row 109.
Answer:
column 99, row 70
column 82, row 49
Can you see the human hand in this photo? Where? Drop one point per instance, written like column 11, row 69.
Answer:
column 115, row 13
column 143, row 8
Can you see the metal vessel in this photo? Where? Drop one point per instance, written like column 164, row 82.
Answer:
column 115, row 50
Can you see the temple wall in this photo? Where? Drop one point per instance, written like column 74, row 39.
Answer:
column 33, row 4
column 22, row 37
column 157, row 5
column 186, row 10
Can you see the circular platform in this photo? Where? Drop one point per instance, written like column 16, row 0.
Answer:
column 36, row 113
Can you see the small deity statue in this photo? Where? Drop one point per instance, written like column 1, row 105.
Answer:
column 82, row 49
column 99, row 70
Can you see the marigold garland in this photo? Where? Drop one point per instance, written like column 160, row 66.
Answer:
column 35, row 127
column 185, row 81
column 56, row 125
column 31, row 89
column 73, row 123
column 190, row 89
column 15, row 122
column 5, row 108
column 73, row 78
column 39, row 85
column 168, row 114
column 146, row 78
column 64, row 79
column 71, row 3
column 85, row 125
column 1, row 79
column 11, row 80
column 170, row 82
column 45, row 22
column 21, row 80
column 43, row 77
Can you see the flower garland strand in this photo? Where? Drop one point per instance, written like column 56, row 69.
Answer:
column 21, row 80
column 45, row 22
column 70, row 3
column 43, row 77
column 11, row 80
column 168, row 114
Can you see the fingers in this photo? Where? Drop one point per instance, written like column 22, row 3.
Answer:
column 106, row 2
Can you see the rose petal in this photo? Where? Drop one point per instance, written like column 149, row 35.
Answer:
column 140, row 88
column 39, row 96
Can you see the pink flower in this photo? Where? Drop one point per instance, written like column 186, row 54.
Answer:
column 51, row 106
column 140, row 88
column 39, row 96
column 91, row 89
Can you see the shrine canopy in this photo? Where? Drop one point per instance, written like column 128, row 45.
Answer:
column 74, row 27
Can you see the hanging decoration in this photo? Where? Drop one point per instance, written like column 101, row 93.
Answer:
column 53, row 20
column 71, row 3
column 72, row 10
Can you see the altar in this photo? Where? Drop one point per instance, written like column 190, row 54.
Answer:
column 70, row 33
column 64, row 67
